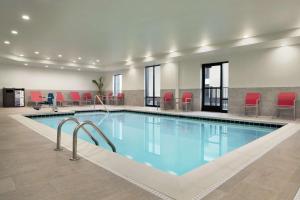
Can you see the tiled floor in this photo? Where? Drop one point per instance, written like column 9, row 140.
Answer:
column 30, row 169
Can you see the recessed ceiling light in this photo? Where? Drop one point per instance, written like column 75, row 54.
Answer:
column 46, row 66
column 74, row 61
column 97, row 61
column 48, row 58
column 21, row 55
column 14, row 32
column 6, row 42
column 59, row 55
column 148, row 55
column 93, row 63
column 61, row 67
column 78, row 69
column 79, row 58
column 26, row 17
column 92, row 67
column 246, row 36
column 26, row 64
column 37, row 53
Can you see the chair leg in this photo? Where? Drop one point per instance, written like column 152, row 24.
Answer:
column 256, row 111
column 294, row 113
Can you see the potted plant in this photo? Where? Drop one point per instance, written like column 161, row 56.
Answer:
column 99, row 85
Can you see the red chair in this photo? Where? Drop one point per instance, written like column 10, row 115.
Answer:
column 60, row 98
column 286, row 101
column 108, row 98
column 187, row 100
column 87, row 97
column 75, row 97
column 120, row 98
column 252, row 100
column 36, row 97
column 168, row 100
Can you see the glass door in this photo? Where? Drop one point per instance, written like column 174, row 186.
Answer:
column 152, row 86
column 215, row 87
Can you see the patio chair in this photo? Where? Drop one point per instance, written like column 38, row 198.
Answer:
column 168, row 100
column 87, row 97
column 36, row 97
column 186, row 101
column 252, row 100
column 75, row 97
column 120, row 98
column 286, row 101
column 60, row 99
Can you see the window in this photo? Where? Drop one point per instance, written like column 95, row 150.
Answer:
column 152, row 85
column 117, row 84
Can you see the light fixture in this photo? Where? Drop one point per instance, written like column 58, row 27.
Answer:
column 97, row 60
column 79, row 58
column 25, row 64
column 21, row 55
column 6, row 42
column 74, row 61
column 14, row 32
column 46, row 66
column 91, row 67
column 78, row 69
column 48, row 58
column 25, row 17
column 59, row 55
column 93, row 63
column 61, row 67
column 37, row 53
column 148, row 55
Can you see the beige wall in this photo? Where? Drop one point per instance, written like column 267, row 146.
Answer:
column 46, row 79
column 273, row 67
column 276, row 67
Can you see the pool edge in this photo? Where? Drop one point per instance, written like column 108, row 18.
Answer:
column 181, row 186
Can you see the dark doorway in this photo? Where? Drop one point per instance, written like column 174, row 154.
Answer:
column 215, row 87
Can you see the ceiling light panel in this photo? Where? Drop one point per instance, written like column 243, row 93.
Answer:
column 26, row 17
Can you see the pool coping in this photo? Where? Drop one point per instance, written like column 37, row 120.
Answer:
column 193, row 185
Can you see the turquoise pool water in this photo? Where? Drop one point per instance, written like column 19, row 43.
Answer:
column 171, row 144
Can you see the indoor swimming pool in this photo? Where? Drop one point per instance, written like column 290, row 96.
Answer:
column 175, row 145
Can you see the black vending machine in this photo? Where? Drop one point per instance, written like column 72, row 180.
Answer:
column 13, row 97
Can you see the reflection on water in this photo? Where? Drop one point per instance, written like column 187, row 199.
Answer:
column 174, row 145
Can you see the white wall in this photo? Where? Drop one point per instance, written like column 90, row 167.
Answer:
column 273, row 67
column 46, row 79
column 276, row 67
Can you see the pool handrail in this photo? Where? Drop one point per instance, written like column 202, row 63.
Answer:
column 75, row 133
column 99, row 99
column 58, row 138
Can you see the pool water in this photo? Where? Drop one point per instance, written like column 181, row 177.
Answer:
column 171, row 144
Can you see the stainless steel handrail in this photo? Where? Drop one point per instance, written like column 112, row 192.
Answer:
column 75, row 133
column 58, row 139
column 97, row 97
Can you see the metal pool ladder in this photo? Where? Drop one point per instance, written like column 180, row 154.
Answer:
column 58, row 139
column 75, row 133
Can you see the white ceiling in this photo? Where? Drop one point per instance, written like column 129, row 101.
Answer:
column 115, row 30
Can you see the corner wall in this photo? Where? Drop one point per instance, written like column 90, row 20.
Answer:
column 268, row 71
column 45, row 80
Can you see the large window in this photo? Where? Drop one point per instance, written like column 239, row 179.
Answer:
column 152, row 85
column 117, row 84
